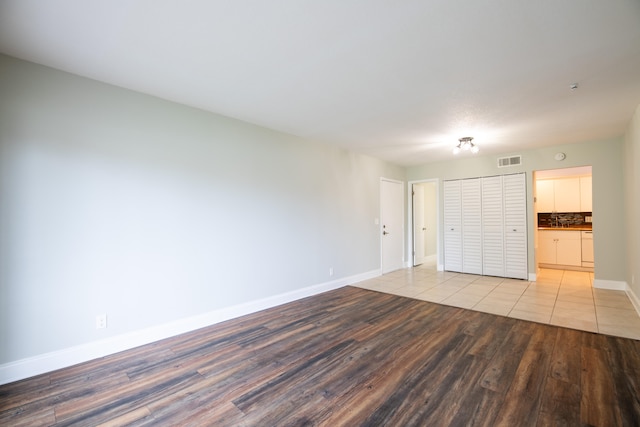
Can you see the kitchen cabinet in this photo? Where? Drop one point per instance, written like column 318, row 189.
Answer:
column 545, row 195
column 587, row 248
column 586, row 204
column 547, row 247
column 560, row 247
column 564, row 194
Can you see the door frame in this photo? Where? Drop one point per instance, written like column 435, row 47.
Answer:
column 411, row 231
column 380, row 230
column 418, row 208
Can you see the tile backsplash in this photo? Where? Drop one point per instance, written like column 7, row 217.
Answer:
column 564, row 219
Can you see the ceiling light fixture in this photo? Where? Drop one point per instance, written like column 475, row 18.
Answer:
column 465, row 144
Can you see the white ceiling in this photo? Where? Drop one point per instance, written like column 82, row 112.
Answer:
column 399, row 80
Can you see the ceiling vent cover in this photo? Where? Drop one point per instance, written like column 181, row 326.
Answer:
column 504, row 162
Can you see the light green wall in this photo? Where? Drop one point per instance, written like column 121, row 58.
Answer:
column 632, row 201
column 608, row 197
column 116, row 202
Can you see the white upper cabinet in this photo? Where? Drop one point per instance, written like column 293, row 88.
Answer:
column 545, row 195
column 567, row 194
column 564, row 194
column 586, row 204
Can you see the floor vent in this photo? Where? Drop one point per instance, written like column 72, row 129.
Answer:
column 504, row 162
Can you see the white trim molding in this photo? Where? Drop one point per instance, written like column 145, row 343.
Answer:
column 47, row 362
column 635, row 301
column 614, row 285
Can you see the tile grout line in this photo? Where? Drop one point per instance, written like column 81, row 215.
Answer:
column 595, row 310
column 555, row 301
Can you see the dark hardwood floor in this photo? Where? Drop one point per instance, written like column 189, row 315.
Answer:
column 348, row 357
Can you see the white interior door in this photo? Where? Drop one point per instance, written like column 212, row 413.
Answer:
column 419, row 226
column 392, row 224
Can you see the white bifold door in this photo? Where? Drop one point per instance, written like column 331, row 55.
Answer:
column 515, row 224
column 463, row 226
column 453, row 225
column 486, row 226
column 493, row 227
column 472, row 226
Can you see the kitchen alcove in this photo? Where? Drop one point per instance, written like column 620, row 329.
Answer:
column 563, row 211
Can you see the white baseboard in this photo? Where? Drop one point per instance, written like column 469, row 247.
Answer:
column 634, row 299
column 533, row 277
column 619, row 286
column 47, row 362
column 614, row 285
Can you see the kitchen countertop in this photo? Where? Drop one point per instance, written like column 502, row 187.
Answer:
column 572, row 228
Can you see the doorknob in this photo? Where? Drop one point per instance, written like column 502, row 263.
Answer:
column 424, row 228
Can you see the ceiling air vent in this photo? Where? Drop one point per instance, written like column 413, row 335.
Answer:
column 504, row 162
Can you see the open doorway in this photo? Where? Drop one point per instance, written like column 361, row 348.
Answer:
column 564, row 218
column 424, row 221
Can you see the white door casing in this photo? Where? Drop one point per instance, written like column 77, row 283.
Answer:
column 392, row 224
column 419, row 227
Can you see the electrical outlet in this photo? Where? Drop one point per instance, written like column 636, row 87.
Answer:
column 101, row 321
column 330, row 271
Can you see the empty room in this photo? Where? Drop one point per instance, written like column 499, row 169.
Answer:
column 329, row 213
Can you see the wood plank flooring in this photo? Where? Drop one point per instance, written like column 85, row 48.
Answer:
column 347, row 357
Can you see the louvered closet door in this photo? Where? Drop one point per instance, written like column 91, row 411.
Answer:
column 493, row 261
column 472, row 226
column 452, row 226
column 515, row 220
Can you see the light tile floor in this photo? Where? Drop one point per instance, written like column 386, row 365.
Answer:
column 558, row 297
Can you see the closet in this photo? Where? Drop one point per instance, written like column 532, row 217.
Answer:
column 485, row 226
